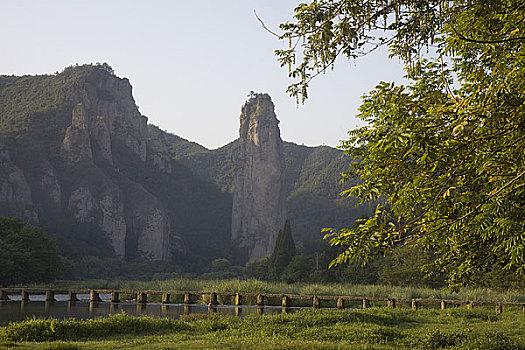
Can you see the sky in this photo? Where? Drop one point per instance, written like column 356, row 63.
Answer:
column 191, row 63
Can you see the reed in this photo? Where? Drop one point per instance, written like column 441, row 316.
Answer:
column 258, row 286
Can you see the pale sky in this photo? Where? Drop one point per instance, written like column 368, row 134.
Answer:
column 191, row 63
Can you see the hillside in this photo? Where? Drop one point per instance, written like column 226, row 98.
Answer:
column 78, row 159
column 312, row 176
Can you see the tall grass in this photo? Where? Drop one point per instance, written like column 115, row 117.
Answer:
column 378, row 328
column 258, row 286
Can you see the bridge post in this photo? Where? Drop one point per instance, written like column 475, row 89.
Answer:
column 391, row 303
column 94, row 296
column 213, row 299
column 366, row 303
column 115, row 297
column 260, row 300
column 187, row 298
column 24, row 295
column 316, row 303
column 3, row 295
column 142, row 298
column 499, row 309
column 443, row 305
column 238, row 299
column 415, row 304
column 50, row 295
column 212, row 306
column 72, row 296
column 285, row 301
column 340, row 303
column 166, row 298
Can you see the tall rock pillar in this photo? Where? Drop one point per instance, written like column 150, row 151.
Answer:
column 259, row 197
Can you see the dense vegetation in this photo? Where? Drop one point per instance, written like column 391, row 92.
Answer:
column 446, row 151
column 27, row 254
column 327, row 329
column 312, row 181
column 34, row 114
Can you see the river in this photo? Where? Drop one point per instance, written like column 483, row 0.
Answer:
column 18, row 310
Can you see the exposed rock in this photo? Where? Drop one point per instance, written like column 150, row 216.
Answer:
column 110, row 102
column 151, row 225
column 113, row 222
column 100, row 133
column 259, row 196
column 81, row 204
column 158, row 153
column 15, row 193
column 50, row 184
column 76, row 145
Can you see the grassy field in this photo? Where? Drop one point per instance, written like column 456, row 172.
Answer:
column 376, row 328
column 257, row 286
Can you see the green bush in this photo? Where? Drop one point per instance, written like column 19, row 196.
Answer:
column 43, row 330
column 27, row 254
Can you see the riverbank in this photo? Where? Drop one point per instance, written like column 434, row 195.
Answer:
column 376, row 328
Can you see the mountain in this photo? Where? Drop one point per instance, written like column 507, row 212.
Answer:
column 79, row 159
column 259, row 210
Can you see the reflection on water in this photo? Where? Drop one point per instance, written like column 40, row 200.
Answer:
column 19, row 310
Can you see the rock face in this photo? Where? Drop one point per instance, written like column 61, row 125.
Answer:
column 107, row 115
column 259, row 196
column 76, row 178
column 15, row 193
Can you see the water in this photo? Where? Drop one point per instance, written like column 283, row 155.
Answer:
column 18, row 310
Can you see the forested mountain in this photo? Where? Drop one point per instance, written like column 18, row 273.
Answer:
column 78, row 159
column 312, row 181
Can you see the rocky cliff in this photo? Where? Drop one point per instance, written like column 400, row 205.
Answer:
column 76, row 157
column 259, row 195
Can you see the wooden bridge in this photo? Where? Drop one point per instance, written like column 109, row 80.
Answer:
column 237, row 299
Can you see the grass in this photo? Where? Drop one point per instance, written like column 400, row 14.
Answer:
column 257, row 286
column 376, row 328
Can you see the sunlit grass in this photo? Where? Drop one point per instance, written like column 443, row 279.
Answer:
column 340, row 289
column 376, row 328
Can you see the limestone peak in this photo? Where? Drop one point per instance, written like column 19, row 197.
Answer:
column 259, row 197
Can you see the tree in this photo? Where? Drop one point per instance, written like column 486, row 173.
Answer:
column 257, row 268
column 403, row 268
column 299, row 269
column 283, row 251
column 27, row 254
column 444, row 155
column 220, row 265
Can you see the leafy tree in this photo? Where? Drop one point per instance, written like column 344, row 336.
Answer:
column 403, row 268
column 445, row 153
column 27, row 254
column 257, row 268
column 283, row 251
column 220, row 265
column 299, row 269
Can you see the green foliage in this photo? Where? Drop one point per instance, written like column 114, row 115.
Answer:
column 257, row 268
column 446, row 152
column 403, row 268
column 312, row 177
column 45, row 330
column 220, row 265
column 94, row 267
column 282, row 253
column 376, row 328
column 27, row 254
column 298, row 270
